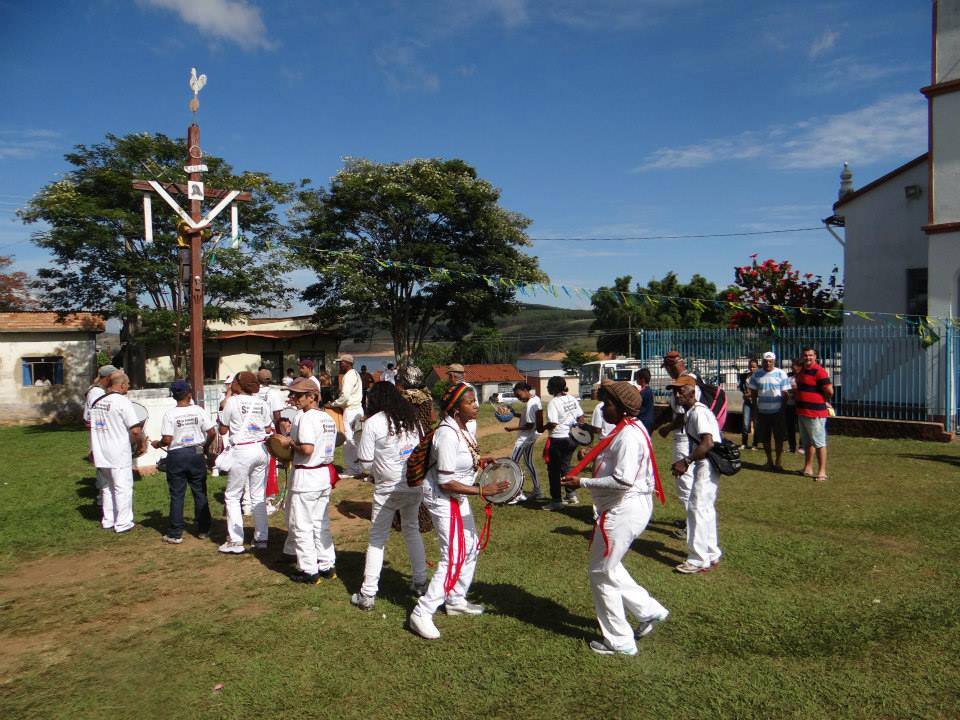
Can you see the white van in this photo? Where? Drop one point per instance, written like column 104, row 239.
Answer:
column 592, row 373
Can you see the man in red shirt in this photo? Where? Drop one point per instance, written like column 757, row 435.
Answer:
column 814, row 391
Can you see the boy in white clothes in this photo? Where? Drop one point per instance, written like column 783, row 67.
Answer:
column 526, row 438
column 246, row 417
column 313, row 438
column 622, row 491
column 113, row 427
column 703, row 549
column 390, row 434
column 563, row 412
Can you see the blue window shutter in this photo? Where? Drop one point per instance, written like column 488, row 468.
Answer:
column 27, row 380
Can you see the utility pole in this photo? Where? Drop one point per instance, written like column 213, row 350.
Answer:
column 192, row 228
column 629, row 335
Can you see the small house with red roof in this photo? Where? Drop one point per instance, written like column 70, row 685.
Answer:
column 488, row 379
column 47, row 362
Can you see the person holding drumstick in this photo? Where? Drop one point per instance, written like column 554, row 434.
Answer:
column 313, row 438
column 563, row 412
column 390, row 434
column 454, row 460
column 527, row 438
column 622, row 489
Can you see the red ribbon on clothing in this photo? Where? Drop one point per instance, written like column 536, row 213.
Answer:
column 272, row 487
column 602, row 445
column 603, row 533
column 546, row 451
column 484, row 536
column 457, row 553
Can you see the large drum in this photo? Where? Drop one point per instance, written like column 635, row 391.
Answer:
column 337, row 415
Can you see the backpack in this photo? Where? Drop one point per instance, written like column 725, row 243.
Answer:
column 714, row 397
column 419, row 461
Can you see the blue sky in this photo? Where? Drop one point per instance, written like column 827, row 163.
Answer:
column 597, row 119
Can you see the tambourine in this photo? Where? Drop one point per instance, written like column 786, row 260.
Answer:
column 277, row 448
column 580, row 435
column 143, row 445
column 502, row 469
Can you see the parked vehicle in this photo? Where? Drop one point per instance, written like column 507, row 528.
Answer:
column 592, row 373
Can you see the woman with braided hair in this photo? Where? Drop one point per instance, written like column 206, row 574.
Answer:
column 390, row 434
column 454, row 459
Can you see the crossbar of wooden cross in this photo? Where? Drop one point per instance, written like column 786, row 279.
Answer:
column 164, row 191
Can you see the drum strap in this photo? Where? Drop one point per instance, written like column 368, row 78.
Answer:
column 457, row 544
column 601, row 446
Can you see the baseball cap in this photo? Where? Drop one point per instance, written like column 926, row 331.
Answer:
column 346, row 357
column 455, row 367
column 179, row 387
column 769, row 356
column 681, row 381
column 671, row 358
column 228, row 380
column 107, row 370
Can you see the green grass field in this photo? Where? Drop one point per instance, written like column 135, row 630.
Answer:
column 835, row 600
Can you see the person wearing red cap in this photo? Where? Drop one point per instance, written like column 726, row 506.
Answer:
column 306, row 367
column 675, row 366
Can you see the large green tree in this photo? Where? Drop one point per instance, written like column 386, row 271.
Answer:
column 621, row 310
column 95, row 233
column 377, row 235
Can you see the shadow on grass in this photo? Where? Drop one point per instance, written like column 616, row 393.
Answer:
column 54, row 428
column 543, row 613
column 653, row 549
column 355, row 509
column 948, row 459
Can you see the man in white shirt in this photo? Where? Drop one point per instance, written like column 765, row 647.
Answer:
column 313, row 439
column 351, row 400
column 622, row 491
column 97, row 390
column 185, row 431
column 700, row 424
column 526, row 438
column 390, row 374
column 114, row 427
column 457, row 373
column 306, row 367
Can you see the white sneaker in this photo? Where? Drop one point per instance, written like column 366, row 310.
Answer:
column 363, row 602
column 232, row 547
column 518, row 499
column 463, row 608
column 571, row 499
column 601, row 648
column 646, row 627
column 423, row 626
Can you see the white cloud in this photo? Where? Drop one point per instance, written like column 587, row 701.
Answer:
column 403, row 69
column 25, row 144
column 234, row 20
column 512, row 13
column 890, row 129
column 823, row 43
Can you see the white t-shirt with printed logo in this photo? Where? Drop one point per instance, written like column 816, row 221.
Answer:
column 701, row 421
column 187, row 426
column 248, row 418
column 386, row 453
column 316, row 428
column 275, row 398
column 564, row 411
column 111, row 418
column 93, row 393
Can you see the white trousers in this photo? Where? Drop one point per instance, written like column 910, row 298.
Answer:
column 350, row 466
column 117, row 498
column 310, row 527
column 439, row 508
column 702, row 544
column 523, row 453
column 615, row 593
column 681, row 448
column 249, row 464
column 384, row 506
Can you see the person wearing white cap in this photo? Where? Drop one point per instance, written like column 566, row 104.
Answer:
column 770, row 386
column 97, row 390
column 351, row 400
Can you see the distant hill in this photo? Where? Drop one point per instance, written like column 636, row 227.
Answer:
column 541, row 328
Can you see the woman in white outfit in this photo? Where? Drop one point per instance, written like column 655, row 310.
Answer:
column 622, row 491
column 390, row 434
column 454, row 459
column 247, row 419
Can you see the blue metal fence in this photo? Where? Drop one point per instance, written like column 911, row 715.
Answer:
column 879, row 370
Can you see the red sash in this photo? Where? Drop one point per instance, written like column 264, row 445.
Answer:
column 272, row 488
column 602, row 445
column 457, row 543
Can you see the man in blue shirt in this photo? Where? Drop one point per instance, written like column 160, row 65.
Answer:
column 770, row 386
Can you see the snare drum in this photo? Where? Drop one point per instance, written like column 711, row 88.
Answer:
column 501, row 469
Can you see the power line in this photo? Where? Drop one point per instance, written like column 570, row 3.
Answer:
column 676, row 237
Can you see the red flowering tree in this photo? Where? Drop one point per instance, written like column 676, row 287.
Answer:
column 13, row 288
column 772, row 293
